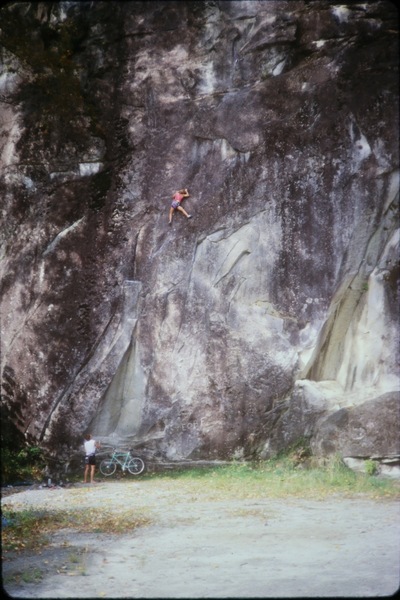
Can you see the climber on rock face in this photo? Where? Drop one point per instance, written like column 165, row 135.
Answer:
column 176, row 204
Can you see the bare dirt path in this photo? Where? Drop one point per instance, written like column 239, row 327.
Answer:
column 200, row 546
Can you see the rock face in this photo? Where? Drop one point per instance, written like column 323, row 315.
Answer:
column 273, row 311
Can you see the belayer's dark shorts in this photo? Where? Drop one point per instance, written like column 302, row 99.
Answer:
column 90, row 460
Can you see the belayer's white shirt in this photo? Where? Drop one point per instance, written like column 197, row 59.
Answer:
column 90, row 447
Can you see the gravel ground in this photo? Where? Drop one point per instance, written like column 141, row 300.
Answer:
column 200, row 547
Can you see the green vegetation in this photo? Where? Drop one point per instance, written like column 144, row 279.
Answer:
column 284, row 476
column 32, row 576
column 371, row 467
column 27, row 576
column 31, row 529
column 20, row 464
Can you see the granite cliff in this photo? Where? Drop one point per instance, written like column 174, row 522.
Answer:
column 269, row 317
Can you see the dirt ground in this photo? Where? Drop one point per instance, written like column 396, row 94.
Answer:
column 198, row 546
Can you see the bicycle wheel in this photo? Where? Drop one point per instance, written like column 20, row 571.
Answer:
column 108, row 467
column 135, row 466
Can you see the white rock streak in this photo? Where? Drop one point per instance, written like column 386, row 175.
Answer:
column 61, row 235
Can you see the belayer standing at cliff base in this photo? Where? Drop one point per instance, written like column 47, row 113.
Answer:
column 90, row 457
column 176, row 204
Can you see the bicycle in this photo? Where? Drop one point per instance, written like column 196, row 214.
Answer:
column 134, row 464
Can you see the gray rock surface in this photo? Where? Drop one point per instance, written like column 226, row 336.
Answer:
column 245, row 329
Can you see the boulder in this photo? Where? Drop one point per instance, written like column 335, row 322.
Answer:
column 369, row 430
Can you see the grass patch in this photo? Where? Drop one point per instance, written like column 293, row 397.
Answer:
column 29, row 575
column 31, row 529
column 282, row 477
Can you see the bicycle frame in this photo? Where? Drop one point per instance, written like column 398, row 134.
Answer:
column 116, row 457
